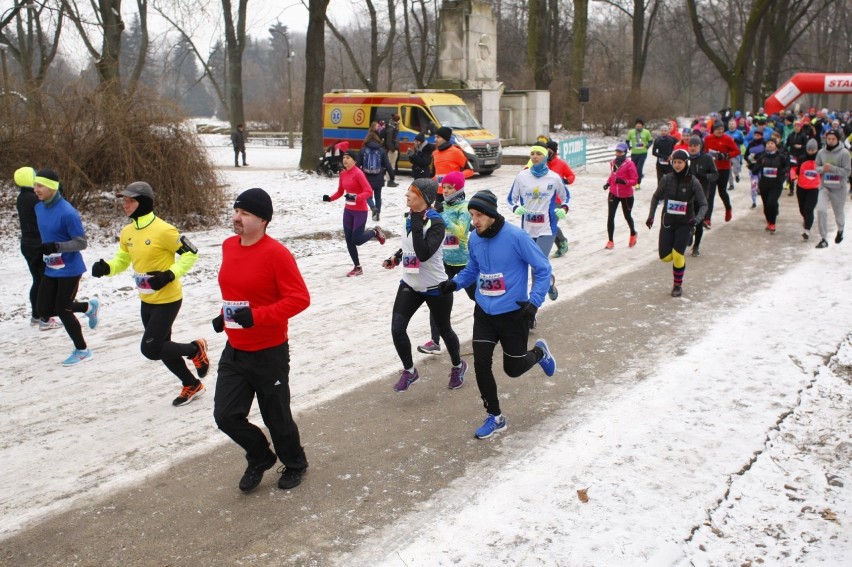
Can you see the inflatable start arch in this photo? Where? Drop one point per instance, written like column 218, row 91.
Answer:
column 803, row 83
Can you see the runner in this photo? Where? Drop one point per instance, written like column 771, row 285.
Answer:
column 807, row 185
column 736, row 162
column 754, row 149
column 149, row 244
column 703, row 168
column 833, row 164
column 501, row 256
column 639, row 139
column 356, row 190
column 533, row 197
column 422, row 270
column 622, row 179
column 722, row 148
column 680, row 192
column 663, row 147
column 457, row 220
column 262, row 288
column 771, row 167
column 561, row 167
column 63, row 238
column 447, row 157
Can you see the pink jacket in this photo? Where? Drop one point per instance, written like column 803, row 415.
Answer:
column 626, row 172
column 353, row 182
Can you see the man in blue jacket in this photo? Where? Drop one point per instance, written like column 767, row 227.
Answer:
column 501, row 256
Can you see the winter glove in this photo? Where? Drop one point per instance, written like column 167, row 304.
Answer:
column 326, row 199
column 439, row 206
column 100, row 269
column 528, row 310
column 560, row 213
column 244, row 318
column 606, row 186
column 650, row 222
column 219, row 323
column 159, row 280
column 49, row 248
column 520, row 210
column 696, row 221
column 722, row 156
column 391, row 263
column 620, row 181
column 447, row 287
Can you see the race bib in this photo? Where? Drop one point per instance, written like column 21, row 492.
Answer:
column 676, row 207
column 534, row 218
column 811, row 174
column 54, row 261
column 410, row 263
column 770, row 172
column 492, row 284
column 228, row 309
column 830, row 180
column 350, row 197
column 451, row 242
column 640, row 144
column 663, row 161
column 143, row 283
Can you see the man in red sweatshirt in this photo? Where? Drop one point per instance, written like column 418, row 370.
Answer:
column 262, row 288
column 721, row 147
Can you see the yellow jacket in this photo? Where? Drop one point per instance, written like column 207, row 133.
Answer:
column 149, row 244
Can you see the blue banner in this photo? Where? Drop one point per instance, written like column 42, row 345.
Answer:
column 573, row 151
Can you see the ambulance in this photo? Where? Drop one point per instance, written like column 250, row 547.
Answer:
column 347, row 115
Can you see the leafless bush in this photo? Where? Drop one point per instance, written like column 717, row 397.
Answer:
column 98, row 144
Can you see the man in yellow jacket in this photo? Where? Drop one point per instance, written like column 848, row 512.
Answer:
column 149, row 244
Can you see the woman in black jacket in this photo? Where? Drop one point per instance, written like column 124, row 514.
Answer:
column 680, row 193
column 771, row 167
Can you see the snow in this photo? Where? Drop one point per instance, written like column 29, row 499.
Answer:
column 716, row 457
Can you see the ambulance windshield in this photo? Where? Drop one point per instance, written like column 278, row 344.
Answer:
column 457, row 117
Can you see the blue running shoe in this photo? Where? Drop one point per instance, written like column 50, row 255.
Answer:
column 552, row 293
column 77, row 357
column 457, row 376
column 92, row 313
column 547, row 362
column 406, row 379
column 492, row 425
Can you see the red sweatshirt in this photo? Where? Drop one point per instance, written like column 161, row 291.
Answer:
column 723, row 144
column 266, row 275
column 354, row 182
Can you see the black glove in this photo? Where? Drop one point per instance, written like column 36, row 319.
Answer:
column 49, row 248
column 696, row 221
column 100, row 269
column 391, row 263
column 620, row 182
column 439, row 206
column 606, row 186
column 650, row 222
column 243, row 317
column 528, row 310
column 326, row 199
column 722, row 156
column 219, row 323
column 448, row 287
column 159, row 280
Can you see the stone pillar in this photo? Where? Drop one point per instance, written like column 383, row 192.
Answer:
column 467, row 45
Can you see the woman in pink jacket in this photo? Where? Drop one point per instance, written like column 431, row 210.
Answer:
column 355, row 188
column 620, row 185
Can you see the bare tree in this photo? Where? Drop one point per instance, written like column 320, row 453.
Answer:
column 419, row 46
column 235, row 44
column 314, row 84
column 578, row 59
column 378, row 56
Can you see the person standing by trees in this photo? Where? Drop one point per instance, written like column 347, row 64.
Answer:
column 149, row 244
column 684, row 207
column 355, row 189
column 238, row 140
column 721, row 148
column 374, row 162
column 63, row 238
column 639, row 139
column 390, row 141
column 31, row 243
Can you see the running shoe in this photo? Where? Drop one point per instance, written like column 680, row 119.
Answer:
column 839, row 237
column 406, row 379
column 290, row 478
column 375, row 215
column 677, row 291
column 254, row 473
column 393, row 183
column 771, row 228
column 729, row 213
column 431, row 347
column 457, row 376
column 609, row 245
column 754, row 205
column 695, row 252
column 706, row 223
column 78, row 356
column 356, row 271
column 50, row 324
column 632, row 242
column 380, row 234
column 805, row 236
column 201, row 361
column 189, row 393
column 822, row 244
column 34, row 321
column 561, row 249
column 552, row 292
column 493, row 424
column 547, row 362
column 92, row 313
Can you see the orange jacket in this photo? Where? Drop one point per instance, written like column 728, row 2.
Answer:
column 447, row 160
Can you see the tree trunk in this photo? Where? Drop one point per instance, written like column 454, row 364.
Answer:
column 539, row 43
column 235, row 43
column 312, row 147
column 578, row 62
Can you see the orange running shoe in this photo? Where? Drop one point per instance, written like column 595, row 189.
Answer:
column 632, row 242
column 610, row 245
column 189, row 393
column 200, row 360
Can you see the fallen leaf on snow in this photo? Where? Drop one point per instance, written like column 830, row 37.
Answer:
column 583, row 495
